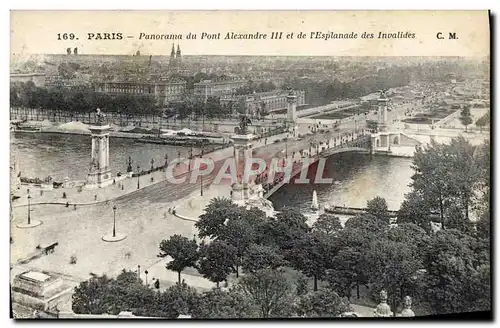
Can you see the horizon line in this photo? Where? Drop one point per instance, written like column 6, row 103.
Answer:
column 245, row 55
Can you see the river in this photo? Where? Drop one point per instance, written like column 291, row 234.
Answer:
column 68, row 155
column 357, row 177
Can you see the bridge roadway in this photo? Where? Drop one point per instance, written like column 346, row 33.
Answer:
column 354, row 143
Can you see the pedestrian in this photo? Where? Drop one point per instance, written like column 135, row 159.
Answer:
column 74, row 207
column 95, row 197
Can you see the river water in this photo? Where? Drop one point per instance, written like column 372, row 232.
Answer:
column 68, row 155
column 357, row 177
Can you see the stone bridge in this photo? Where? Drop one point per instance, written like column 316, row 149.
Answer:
column 350, row 142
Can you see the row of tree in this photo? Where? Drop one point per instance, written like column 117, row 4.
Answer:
column 29, row 96
column 323, row 92
column 102, row 294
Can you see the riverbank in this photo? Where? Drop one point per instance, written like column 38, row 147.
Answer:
column 78, row 128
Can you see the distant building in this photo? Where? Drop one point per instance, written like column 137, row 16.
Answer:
column 175, row 62
column 76, row 84
column 163, row 91
column 209, row 88
column 40, row 294
column 37, row 78
column 272, row 100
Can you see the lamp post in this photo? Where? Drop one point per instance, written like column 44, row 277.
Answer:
column 139, row 272
column 114, row 221
column 138, row 185
column 201, row 176
column 190, row 158
column 29, row 209
column 146, row 273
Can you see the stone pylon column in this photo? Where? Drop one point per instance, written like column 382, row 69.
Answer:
column 291, row 112
column 99, row 173
column 242, row 155
column 383, row 103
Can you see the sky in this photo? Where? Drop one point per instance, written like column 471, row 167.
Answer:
column 38, row 32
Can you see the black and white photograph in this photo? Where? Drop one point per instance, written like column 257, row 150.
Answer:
column 319, row 172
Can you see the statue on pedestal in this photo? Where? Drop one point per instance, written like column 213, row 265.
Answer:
column 383, row 309
column 407, row 311
column 100, row 116
column 244, row 123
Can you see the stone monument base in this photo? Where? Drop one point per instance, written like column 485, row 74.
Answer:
column 25, row 225
column 251, row 195
column 118, row 237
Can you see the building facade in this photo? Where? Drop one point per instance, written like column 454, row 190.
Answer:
column 37, row 78
column 272, row 100
column 163, row 92
column 209, row 88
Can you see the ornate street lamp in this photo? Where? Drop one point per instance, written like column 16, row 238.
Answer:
column 201, row 176
column 138, row 168
column 29, row 209
column 114, row 221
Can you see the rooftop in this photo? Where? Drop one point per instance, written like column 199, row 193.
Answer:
column 36, row 276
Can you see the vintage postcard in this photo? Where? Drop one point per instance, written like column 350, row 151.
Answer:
column 250, row 164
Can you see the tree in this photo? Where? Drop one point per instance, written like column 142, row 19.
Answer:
column 184, row 253
column 271, row 291
column 324, row 303
column 345, row 273
column 260, row 257
column 378, row 208
column 456, row 219
column 178, row 299
column 240, row 232
column 414, row 236
column 415, row 209
column 283, row 230
column 483, row 121
column 453, row 273
column 217, row 213
column 348, row 267
column 218, row 260
column 465, row 117
column 327, row 224
column 89, row 296
column 483, row 226
column 463, row 171
column 220, row 304
column 430, row 179
column 311, row 255
column 100, row 295
column 128, row 293
column 391, row 265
